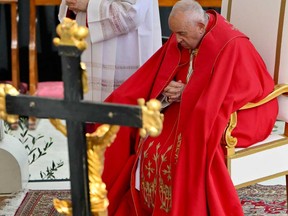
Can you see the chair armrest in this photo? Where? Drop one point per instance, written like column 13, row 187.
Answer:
column 227, row 139
column 278, row 90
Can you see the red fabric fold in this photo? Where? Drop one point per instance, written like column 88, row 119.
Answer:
column 223, row 81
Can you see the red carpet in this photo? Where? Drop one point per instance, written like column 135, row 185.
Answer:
column 256, row 200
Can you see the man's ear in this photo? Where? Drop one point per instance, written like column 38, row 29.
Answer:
column 202, row 28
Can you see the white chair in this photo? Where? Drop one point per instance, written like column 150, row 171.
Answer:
column 14, row 166
column 265, row 22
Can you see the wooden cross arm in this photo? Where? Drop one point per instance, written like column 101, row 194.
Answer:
column 152, row 119
column 147, row 117
column 108, row 113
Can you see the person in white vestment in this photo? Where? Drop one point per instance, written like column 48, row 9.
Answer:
column 123, row 34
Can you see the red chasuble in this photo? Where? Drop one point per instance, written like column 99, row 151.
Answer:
column 183, row 171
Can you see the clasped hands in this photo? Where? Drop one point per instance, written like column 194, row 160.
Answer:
column 77, row 5
column 173, row 91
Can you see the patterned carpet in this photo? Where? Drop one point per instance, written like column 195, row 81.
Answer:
column 264, row 200
column 257, row 200
column 40, row 203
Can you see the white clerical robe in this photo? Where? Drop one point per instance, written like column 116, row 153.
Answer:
column 122, row 36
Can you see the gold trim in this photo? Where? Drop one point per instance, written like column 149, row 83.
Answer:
column 278, row 90
column 253, row 150
column 263, row 147
column 229, row 9
column 279, row 40
column 232, row 141
column 261, row 179
column 229, row 139
column 228, row 161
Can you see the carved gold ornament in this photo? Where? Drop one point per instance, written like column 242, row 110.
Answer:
column 151, row 117
column 57, row 123
column 4, row 90
column 84, row 77
column 63, row 206
column 97, row 142
column 71, row 34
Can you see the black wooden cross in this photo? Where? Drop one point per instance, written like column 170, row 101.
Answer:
column 76, row 112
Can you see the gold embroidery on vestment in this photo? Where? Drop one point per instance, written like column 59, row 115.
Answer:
column 156, row 167
column 178, row 145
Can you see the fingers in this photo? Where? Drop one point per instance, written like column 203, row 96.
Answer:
column 174, row 90
column 173, row 85
column 77, row 5
column 70, row 3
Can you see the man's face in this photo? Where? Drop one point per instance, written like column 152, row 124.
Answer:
column 188, row 34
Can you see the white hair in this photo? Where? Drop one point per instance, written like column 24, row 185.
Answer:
column 195, row 10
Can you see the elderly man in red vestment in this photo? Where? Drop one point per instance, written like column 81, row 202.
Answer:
column 205, row 71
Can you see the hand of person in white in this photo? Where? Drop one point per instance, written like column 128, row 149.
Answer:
column 77, row 5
